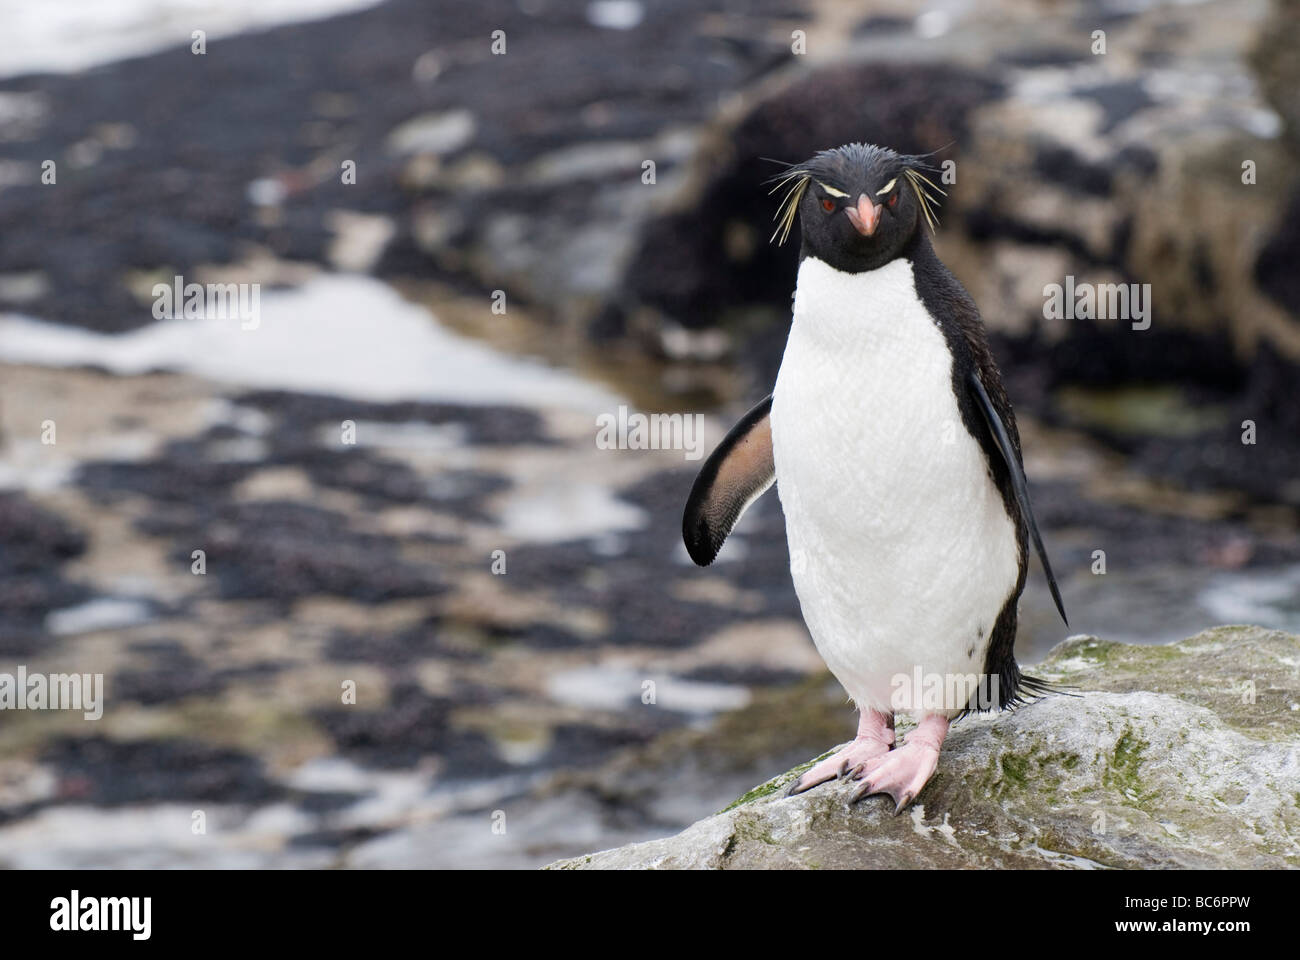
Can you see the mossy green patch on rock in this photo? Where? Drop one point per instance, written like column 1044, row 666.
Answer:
column 1155, row 763
column 1123, row 767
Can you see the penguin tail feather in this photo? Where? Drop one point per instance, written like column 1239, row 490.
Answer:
column 1014, row 690
column 1028, row 689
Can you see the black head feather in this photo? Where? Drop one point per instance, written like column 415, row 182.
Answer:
column 842, row 175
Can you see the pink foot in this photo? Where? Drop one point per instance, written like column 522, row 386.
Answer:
column 906, row 770
column 875, row 739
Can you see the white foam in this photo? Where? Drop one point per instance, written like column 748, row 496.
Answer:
column 345, row 335
column 611, row 687
column 564, row 511
column 615, row 14
column 101, row 613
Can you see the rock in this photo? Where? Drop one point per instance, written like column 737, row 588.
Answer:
column 34, row 544
column 1179, row 756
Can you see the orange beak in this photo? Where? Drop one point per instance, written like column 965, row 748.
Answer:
column 866, row 217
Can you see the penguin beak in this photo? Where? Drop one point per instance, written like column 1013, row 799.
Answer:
column 866, row 217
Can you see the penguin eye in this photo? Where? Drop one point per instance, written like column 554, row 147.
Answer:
column 893, row 199
column 828, row 204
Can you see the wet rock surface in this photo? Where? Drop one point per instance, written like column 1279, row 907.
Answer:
column 1158, row 761
column 34, row 543
column 370, row 564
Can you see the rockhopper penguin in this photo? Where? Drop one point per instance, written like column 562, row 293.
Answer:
column 896, row 457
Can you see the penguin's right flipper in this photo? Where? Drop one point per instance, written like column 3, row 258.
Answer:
column 1018, row 484
column 735, row 475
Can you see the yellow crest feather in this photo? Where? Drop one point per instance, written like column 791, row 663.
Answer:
column 789, row 206
column 923, row 196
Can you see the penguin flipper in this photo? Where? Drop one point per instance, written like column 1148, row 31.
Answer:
column 1018, row 484
column 736, row 474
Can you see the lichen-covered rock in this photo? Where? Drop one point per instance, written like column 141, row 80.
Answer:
column 1185, row 755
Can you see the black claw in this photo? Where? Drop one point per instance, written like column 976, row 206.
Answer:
column 902, row 804
column 794, row 787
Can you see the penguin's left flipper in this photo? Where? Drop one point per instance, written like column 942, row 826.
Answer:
column 735, row 475
column 1018, row 484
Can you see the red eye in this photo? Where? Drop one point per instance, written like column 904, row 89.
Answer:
column 893, row 199
column 828, row 204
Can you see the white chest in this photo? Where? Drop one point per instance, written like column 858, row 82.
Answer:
column 901, row 549
column 864, row 400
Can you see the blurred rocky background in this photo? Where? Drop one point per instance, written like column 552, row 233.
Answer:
column 515, row 699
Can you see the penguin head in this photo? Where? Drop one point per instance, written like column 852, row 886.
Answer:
column 859, row 205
